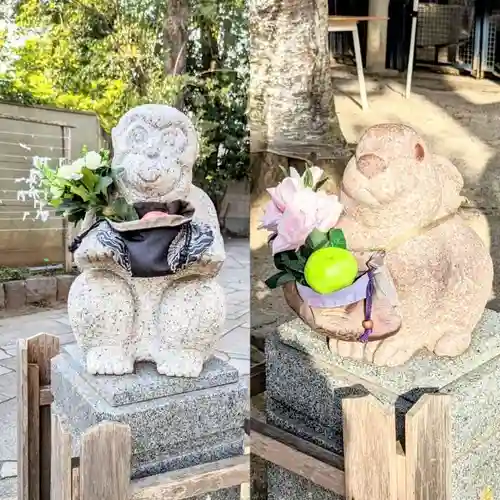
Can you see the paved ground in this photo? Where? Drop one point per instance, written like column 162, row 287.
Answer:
column 233, row 347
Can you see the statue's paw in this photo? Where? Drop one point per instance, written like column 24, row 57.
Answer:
column 452, row 344
column 110, row 360
column 353, row 350
column 180, row 362
column 394, row 351
column 96, row 256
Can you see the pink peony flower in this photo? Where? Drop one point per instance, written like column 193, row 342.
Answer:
column 309, row 210
column 271, row 217
column 293, row 229
column 327, row 209
column 295, row 210
column 281, row 196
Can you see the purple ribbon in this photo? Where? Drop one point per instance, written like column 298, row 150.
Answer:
column 368, row 306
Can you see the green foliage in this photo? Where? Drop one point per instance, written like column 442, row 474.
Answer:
column 291, row 263
column 108, row 56
column 13, row 273
column 74, row 189
column 23, row 273
column 487, row 494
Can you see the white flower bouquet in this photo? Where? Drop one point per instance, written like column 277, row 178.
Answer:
column 75, row 188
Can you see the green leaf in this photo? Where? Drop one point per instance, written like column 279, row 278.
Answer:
column 319, row 185
column 89, row 179
column 305, row 252
column 120, row 210
column 317, row 239
column 283, row 169
column 55, row 202
column 289, row 261
column 302, row 280
column 76, row 216
column 337, row 238
column 279, row 279
column 81, row 192
column 307, row 178
column 103, row 184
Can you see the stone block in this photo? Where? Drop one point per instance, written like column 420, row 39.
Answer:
column 306, row 384
column 41, row 290
column 423, row 371
column 63, row 285
column 175, row 422
column 145, row 384
column 315, row 388
column 227, row 494
column 301, row 425
column 285, row 485
column 15, row 295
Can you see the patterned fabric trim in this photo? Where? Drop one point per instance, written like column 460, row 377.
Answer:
column 192, row 241
column 112, row 240
column 175, row 250
column 201, row 240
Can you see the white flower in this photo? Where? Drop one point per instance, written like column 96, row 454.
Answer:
column 42, row 215
column 71, row 171
column 92, row 160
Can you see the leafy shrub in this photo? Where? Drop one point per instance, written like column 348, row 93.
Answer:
column 107, row 57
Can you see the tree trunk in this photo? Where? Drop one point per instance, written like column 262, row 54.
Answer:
column 291, row 97
column 175, row 36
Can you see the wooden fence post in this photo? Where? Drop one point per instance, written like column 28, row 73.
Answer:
column 22, row 422
column 61, row 474
column 34, row 441
column 369, row 449
column 428, row 448
column 105, row 462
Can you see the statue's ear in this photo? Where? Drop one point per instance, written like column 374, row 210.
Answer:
column 420, row 151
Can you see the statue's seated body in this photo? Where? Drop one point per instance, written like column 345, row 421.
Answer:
column 175, row 319
column 403, row 201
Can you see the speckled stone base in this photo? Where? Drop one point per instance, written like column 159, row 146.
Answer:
column 284, row 485
column 175, row 422
column 306, row 384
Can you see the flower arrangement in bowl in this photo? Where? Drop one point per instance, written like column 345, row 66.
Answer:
column 76, row 188
column 310, row 251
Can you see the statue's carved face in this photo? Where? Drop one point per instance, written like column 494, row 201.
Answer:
column 391, row 175
column 155, row 148
column 389, row 161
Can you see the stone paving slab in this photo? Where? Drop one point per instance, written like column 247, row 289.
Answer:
column 234, row 347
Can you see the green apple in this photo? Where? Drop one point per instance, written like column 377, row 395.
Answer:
column 330, row 269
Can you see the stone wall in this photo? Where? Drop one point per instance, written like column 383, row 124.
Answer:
column 40, row 291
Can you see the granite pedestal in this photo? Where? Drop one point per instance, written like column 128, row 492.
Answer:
column 306, row 384
column 175, row 422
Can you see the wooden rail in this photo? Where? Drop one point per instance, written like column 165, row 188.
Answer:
column 374, row 466
column 48, row 470
column 104, row 470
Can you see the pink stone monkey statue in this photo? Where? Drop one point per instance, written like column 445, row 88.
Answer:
column 401, row 198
